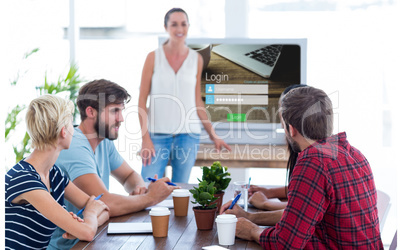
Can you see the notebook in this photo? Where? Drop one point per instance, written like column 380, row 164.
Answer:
column 260, row 59
column 164, row 203
column 129, row 228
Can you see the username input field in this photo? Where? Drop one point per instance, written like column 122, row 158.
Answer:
column 236, row 89
column 237, row 99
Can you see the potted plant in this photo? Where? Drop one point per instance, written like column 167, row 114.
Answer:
column 205, row 212
column 219, row 175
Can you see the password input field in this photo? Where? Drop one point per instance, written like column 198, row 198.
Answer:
column 237, row 99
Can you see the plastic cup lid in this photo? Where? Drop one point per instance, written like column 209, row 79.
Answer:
column 159, row 211
column 226, row 218
column 181, row 193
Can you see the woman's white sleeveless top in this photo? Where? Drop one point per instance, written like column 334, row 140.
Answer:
column 172, row 108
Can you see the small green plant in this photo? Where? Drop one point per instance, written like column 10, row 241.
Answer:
column 217, row 174
column 204, row 195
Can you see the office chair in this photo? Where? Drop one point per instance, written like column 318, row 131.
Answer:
column 383, row 205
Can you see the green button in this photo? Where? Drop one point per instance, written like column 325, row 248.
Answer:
column 236, row 117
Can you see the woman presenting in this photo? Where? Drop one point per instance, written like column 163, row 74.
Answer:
column 171, row 77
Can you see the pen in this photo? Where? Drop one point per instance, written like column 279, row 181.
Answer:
column 235, row 201
column 82, row 210
column 169, row 183
column 249, row 181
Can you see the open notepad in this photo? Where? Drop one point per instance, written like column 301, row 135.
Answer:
column 164, row 203
column 129, row 228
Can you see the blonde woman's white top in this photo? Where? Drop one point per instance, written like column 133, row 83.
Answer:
column 172, row 108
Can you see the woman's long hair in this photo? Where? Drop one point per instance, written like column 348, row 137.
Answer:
column 292, row 154
column 290, row 166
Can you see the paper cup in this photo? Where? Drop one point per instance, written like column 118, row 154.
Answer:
column 160, row 221
column 226, row 224
column 181, row 198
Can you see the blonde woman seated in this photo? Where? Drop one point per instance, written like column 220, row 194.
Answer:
column 35, row 188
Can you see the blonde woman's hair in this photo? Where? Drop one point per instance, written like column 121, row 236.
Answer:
column 45, row 118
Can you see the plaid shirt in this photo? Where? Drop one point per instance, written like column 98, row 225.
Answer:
column 332, row 201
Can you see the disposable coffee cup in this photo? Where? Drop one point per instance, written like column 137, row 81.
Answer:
column 226, row 224
column 160, row 221
column 180, row 201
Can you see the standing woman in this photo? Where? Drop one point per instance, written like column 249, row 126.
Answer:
column 171, row 77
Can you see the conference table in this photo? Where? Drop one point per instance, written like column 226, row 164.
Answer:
column 182, row 234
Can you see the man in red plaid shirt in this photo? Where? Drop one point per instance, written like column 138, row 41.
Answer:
column 332, row 199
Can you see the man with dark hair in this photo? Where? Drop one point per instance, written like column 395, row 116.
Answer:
column 92, row 157
column 332, row 199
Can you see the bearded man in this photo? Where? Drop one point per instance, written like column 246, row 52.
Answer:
column 92, row 157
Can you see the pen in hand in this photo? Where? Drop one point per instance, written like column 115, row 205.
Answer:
column 169, row 183
column 235, row 201
column 82, row 210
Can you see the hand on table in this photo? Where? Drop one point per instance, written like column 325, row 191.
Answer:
column 258, row 200
column 253, row 189
column 247, row 230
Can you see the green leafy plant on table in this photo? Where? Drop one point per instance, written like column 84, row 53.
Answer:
column 219, row 175
column 204, row 213
column 204, row 195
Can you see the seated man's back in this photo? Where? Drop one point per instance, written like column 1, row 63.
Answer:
column 332, row 197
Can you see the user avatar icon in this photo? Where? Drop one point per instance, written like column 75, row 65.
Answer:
column 210, row 88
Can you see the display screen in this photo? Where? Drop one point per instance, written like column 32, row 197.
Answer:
column 242, row 83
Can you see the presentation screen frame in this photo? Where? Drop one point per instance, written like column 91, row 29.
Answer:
column 249, row 132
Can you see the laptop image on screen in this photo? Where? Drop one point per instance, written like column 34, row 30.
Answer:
column 259, row 58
